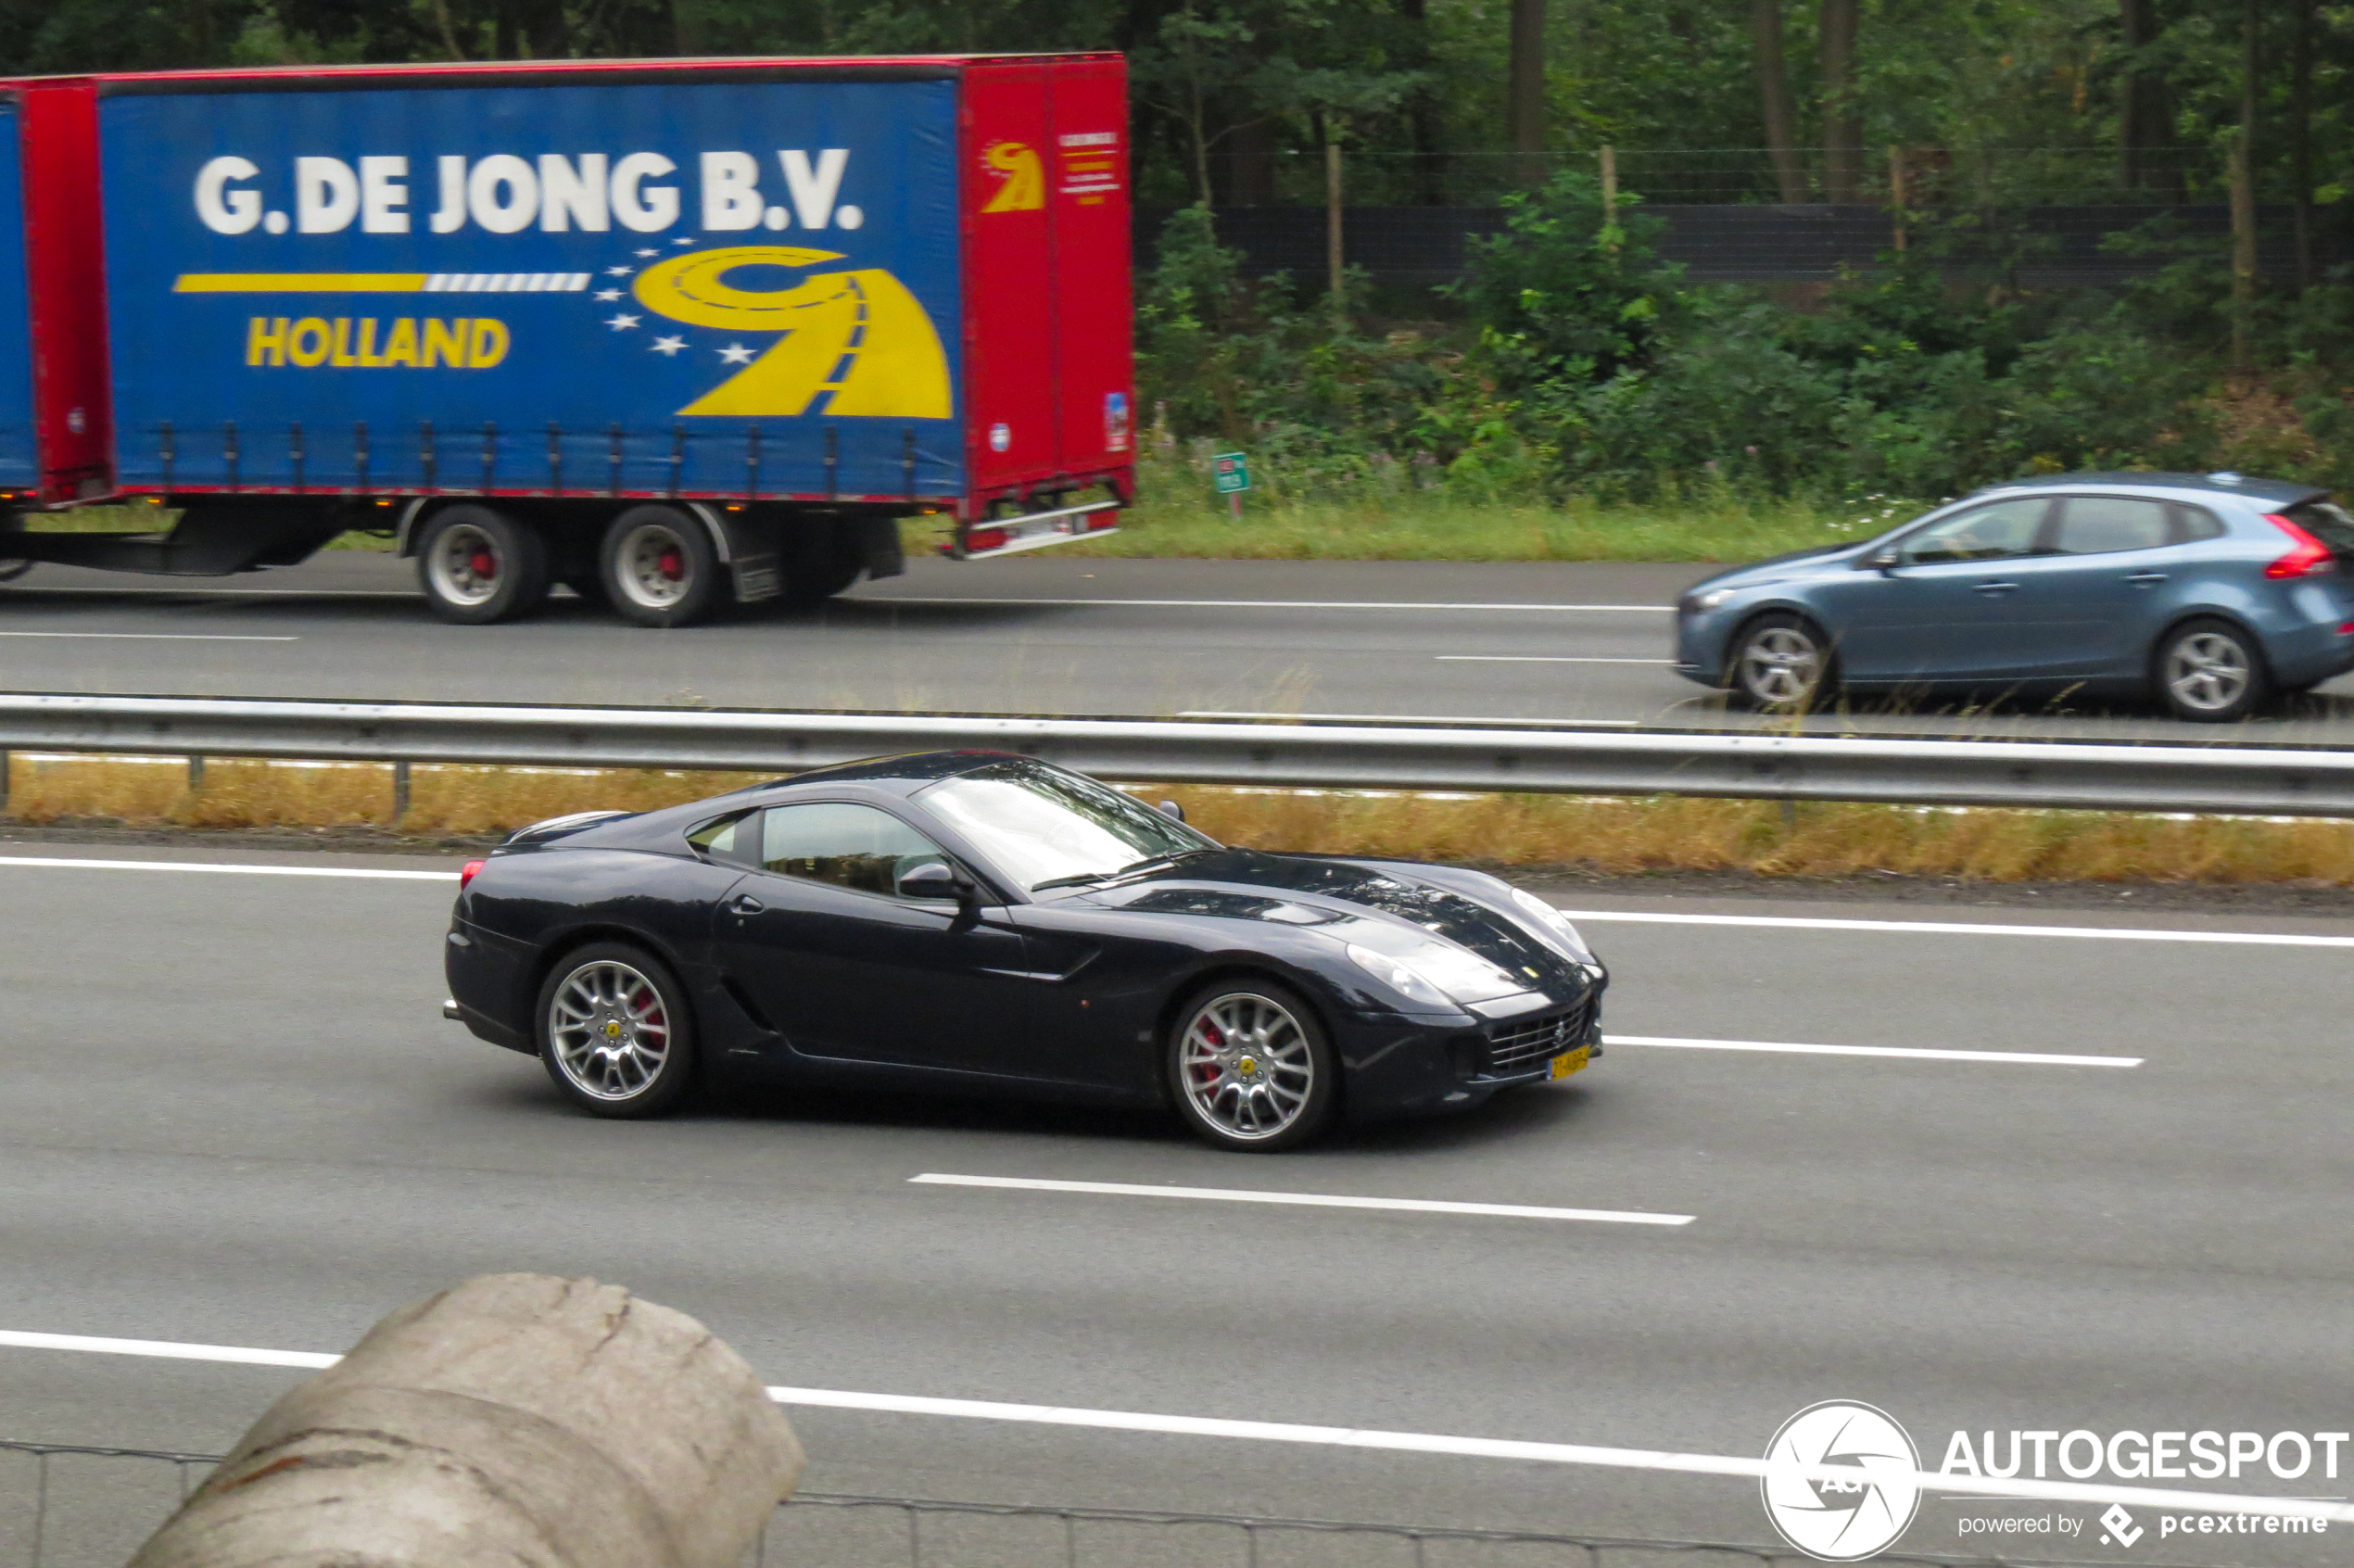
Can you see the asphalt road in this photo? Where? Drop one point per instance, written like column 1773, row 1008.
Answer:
column 1556, row 642
column 232, row 1117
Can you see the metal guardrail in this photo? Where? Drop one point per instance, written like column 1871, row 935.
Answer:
column 69, row 1506
column 2263, row 781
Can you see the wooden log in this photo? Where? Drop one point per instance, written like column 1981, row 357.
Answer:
column 516, row 1420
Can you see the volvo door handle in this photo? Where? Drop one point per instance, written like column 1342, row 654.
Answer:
column 1992, row 589
column 744, row 904
column 2145, row 579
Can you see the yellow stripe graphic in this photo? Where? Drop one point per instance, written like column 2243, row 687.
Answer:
column 300, row 283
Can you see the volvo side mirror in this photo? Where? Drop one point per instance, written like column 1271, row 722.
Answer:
column 1170, row 808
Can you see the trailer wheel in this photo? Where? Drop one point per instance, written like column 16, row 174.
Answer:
column 660, row 568
column 478, row 565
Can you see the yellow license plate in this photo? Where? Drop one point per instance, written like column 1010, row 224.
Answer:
column 1569, row 1061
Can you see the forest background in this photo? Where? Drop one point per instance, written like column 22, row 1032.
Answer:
column 1573, row 394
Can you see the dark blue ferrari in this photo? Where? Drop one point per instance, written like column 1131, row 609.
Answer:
column 981, row 921
column 2209, row 592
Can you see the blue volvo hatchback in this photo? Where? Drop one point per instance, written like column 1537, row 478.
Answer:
column 2210, row 593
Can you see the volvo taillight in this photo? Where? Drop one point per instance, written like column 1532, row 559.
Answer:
column 2306, row 557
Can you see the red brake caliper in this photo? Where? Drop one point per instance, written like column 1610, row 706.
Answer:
column 1207, row 1071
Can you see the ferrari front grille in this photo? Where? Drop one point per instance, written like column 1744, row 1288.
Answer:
column 1519, row 1044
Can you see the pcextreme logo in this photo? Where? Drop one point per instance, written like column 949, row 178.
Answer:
column 1840, row 1518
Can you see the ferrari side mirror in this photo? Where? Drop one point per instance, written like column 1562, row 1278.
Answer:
column 932, row 880
column 1170, row 808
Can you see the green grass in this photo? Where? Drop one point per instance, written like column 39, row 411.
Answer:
column 1177, row 516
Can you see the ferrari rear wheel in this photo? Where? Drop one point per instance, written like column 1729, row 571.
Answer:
column 1250, row 1069
column 615, row 1032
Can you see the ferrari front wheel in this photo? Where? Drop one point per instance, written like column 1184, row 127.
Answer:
column 1250, row 1069
column 615, row 1031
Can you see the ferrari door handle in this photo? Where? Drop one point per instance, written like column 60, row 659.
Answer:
column 2146, row 579
column 744, row 904
column 1991, row 590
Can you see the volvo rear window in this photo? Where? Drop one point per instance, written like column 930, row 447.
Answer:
column 2326, row 521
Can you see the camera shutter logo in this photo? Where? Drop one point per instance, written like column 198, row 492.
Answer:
column 1837, row 1518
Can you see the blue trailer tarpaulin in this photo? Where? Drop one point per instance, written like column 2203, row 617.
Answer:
column 713, row 288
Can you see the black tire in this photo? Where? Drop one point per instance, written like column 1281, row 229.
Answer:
column 591, row 1025
column 477, row 566
column 2208, row 671
column 658, row 567
column 820, row 561
column 1781, row 663
column 1253, row 1087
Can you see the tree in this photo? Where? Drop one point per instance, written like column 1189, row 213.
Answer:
column 1780, row 110
column 1842, row 124
column 1525, row 93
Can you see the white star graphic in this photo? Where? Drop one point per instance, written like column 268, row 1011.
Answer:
column 607, row 296
column 622, row 272
column 622, row 324
column 650, row 253
column 736, row 354
column 667, row 346
column 686, row 241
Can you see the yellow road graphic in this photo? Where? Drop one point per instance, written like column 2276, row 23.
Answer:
column 1025, row 187
column 859, row 335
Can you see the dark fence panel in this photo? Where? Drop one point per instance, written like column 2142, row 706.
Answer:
column 2035, row 246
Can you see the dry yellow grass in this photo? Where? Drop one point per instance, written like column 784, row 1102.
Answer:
column 446, row 800
column 1617, row 836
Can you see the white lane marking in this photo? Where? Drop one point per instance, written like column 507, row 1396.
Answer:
column 1309, row 1200
column 1953, row 928
column 368, row 872
column 165, row 1349
column 1418, row 718
column 157, row 636
column 1732, row 1465
column 2016, row 1058
column 1274, row 605
column 1536, row 659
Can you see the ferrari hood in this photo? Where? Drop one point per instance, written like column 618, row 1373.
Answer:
column 1310, row 890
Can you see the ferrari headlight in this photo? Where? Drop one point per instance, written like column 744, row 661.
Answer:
column 1552, row 922
column 1399, row 975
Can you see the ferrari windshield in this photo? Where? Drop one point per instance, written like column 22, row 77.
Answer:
column 1040, row 825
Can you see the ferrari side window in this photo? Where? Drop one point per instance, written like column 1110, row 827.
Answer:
column 851, row 846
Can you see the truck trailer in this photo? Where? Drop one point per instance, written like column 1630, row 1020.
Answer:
column 680, row 334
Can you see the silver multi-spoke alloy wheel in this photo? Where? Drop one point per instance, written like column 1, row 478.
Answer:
column 609, row 1030
column 1247, row 1065
column 1780, row 664
column 654, row 567
column 465, row 564
column 2208, row 672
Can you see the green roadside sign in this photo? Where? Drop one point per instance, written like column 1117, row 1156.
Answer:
column 1231, row 472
